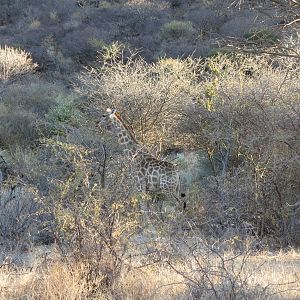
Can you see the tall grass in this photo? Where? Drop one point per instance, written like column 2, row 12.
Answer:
column 269, row 277
column 14, row 63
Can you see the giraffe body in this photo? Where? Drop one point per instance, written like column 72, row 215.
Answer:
column 151, row 175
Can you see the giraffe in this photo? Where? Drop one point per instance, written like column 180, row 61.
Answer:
column 151, row 175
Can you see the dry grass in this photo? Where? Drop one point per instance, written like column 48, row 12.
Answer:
column 151, row 283
column 280, row 272
column 56, row 282
column 270, row 276
column 14, row 62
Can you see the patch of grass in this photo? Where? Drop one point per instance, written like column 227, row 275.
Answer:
column 35, row 24
column 14, row 63
column 54, row 16
column 64, row 110
column 96, row 43
column 273, row 277
column 105, row 4
column 177, row 29
column 32, row 95
column 18, row 128
column 18, row 217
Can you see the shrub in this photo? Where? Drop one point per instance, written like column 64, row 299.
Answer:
column 176, row 3
column 64, row 111
column 32, row 95
column 14, row 63
column 245, row 122
column 205, row 19
column 53, row 15
column 112, row 52
column 237, row 26
column 236, row 109
column 35, row 24
column 70, row 48
column 3, row 168
column 150, row 96
column 17, row 128
column 19, row 214
column 96, row 43
column 91, row 221
column 24, row 107
column 177, row 29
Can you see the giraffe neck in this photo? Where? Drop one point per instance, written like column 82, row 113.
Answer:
column 125, row 137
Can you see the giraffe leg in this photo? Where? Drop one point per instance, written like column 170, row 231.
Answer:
column 141, row 187
column 157, row 203
column 160, row 209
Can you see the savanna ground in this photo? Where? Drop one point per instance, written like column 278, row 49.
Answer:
column 212, row 86
column 263, row 276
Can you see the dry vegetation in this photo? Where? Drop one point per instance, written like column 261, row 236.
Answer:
column 71, row 223
column 264, row 276
column 14, row 63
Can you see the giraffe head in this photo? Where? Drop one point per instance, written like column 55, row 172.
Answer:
column 106, row 119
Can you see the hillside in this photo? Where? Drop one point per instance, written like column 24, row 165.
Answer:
column 187, row 187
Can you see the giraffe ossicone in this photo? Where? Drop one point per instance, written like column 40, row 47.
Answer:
column 151, row 175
